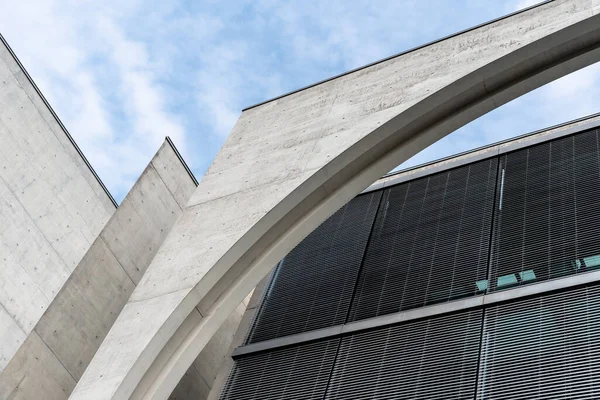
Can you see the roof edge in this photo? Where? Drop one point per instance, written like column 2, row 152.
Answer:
column 55, row 116
column 180, row 157
column 469, row 156
column 400, row 54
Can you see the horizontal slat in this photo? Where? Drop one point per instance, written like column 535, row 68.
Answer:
column 435, row 358
column 300, row 372
column 547, row 224
column 547, row 347
column 313, row 285
column 430, row 242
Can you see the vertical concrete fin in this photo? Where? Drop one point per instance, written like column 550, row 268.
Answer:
column 75, row 323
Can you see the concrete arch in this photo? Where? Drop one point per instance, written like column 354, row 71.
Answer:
column 290, row 163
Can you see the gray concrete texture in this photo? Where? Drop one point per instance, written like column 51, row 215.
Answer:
column 290, row 163
column 204, row 375
column 55, row 354
column 52, row 207
column 253, row 302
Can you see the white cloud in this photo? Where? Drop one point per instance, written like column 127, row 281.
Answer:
column 571, row 97
column 142, row 96
column 122, row 74
column 102, row 83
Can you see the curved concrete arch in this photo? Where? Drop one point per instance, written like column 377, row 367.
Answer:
column 290, row 163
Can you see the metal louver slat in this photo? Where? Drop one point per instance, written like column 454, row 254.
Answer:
column 545, row 348
column 546, row 219
column 430, row 242
column 312, row 287
column 435, row 358
column 299, row 372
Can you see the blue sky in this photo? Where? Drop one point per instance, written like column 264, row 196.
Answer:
column 122, row 74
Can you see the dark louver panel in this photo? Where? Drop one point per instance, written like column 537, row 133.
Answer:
column 430, row 359
column 430, row 242
column 298, row 372
column 543, row 348
column 547, row 221
column 313, row 285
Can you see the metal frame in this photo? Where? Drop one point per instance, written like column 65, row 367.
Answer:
column 422, row 312
column 185, row 166
column 484, row 152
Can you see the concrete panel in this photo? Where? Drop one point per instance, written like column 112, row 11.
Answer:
column 55, row 126
column 216, row 350
column 104, row 284
column 24, row 241
column 83, row 312
column 191, row 386
column 34, row 181
column 78, row 319
column 168, row 165
column 38, row 374
column 144, row 215
column 253, row 304
column 70, row 329
column 52, row 207
column 20, row 296
column 292, row 162
column 11, row 337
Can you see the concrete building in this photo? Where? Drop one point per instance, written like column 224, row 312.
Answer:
column 292, row 162
column 472, row 277
column 69, row 258
column 142, row 301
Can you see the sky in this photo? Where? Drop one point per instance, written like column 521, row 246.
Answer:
column 123, row 74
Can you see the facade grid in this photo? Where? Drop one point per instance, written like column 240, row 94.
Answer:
column 490, row 226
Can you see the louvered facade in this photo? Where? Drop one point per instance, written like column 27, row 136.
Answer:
column 430, row 243
column 474, row 278
column 315, row 282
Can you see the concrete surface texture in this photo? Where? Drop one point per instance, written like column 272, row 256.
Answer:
column 52, row 206
column 63, row 342
column 290, row 163
column 252, row 304
column 204, row 375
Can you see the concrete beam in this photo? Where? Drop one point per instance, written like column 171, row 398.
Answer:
column 55, row 126
column 290, row 163
column 68, row 334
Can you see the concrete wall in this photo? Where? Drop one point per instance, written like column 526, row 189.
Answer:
column 62, row 343
column 291, row 163
column 252, row 302
column 52, row 206
column 204, row 375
